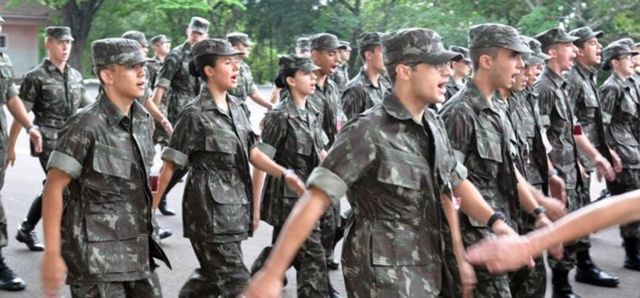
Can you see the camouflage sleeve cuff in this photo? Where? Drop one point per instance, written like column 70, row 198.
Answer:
column 459, row 174
column 65, row 163
column 163, row 82
column 327, row 182
column 606, row 118
column 175, row 156
column 12, row 91
column 266, row 149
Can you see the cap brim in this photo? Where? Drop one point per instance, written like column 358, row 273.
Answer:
column 567, row 39
column 64, row 38
column 442, row 57
column 231, row 53
column 199, row 30
column 519, row 47
column 534, row 60
column 310, row 68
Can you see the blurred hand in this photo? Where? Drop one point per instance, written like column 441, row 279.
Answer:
column 557, row 188
column 501, row 254
column 36, row 139
column 54, row 272
column 295, row 183
column 11, row 155
column 263, row 286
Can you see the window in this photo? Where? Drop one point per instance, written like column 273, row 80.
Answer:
column 3, row 41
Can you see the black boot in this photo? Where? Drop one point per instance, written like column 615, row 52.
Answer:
column 333, row 293
column 632, row 258
column 8, row 280
column 164, row 209
column 561, row 286
column 27, row 236
column 588, row 272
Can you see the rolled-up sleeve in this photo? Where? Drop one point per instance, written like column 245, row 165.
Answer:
column 71, row 148
column 328, row 182
column 175, row 156
column 65, row 163
column 168, row 70
column 182, row 139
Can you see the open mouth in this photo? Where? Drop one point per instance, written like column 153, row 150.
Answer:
column 442, row 86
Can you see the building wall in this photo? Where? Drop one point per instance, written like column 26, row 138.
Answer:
column 22, row 46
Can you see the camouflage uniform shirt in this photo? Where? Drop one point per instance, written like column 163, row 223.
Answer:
column 556, row 110
column 583, row 95
column 7, row 91
column 174, row 76
column 452, row 88
column 216, row 144
column 326, row 101
column 394, row 244
column 293, row 138
column 360, row 94
column 341, row 76
column 53, row 96
column 106, row 225
column 246, row 85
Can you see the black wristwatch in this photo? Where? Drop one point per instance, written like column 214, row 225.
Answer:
column 538, row 210
column 495, row 217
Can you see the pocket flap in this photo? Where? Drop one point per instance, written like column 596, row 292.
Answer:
column 398, row 244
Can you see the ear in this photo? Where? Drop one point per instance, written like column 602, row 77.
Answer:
column 486, row 62
column 106, row 75
column 403, row 72
column 552, row 52
column 579, row 51
column 209, row 71
column 291, row 81
column 368, row 55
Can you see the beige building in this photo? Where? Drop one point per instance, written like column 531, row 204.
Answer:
column 19, row 37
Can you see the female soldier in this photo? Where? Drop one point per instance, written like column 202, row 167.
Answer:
column 294, row 134
column 214, row 136
column 620, row 101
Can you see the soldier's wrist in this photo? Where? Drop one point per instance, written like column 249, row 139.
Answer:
column 32, row 127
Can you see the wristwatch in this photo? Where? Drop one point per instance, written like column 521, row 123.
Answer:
column 538, row 210
column 495, row 217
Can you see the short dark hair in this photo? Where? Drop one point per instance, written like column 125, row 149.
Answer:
column 391, row 69
column 476, row 53
column 196, row 68
column 363, row 50
column 285, row 73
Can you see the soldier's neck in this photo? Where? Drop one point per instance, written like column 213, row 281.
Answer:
column 321, row 78
column 299, row 100
column 583, row 63
column 621, row 75
column 219, row 96
column 504, row 93
column 414, row 105
column 372, row 74
column 554, row 66
column 485, row 85
column 458, row 78
column 119, row 100
column 161, row 57
column 60, row 65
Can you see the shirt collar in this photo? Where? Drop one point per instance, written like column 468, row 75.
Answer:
column 558, row 81
column 586, row 72
column 114, row 115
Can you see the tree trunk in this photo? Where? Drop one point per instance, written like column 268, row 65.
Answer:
column 79, row 18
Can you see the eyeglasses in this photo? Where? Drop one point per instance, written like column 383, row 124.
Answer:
column 437, row 67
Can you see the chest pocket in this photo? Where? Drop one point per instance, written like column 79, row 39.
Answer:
column 301, row 143
column 407, row 173
column 489, row 144
column 76, row 93
column 224, row 145
column 629, row 107
column 112, row 161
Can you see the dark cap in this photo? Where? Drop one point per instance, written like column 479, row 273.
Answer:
column 415, row 45
column 303, row 43
column 496, row 35
column 369, row 39
column 200, row 25
column 585, row 33
column 238, row 37
column 462, row 50
column 537, row 56
column 613, row 51
column 344, row 45
column 159, row 39
column 2, row 20
column 120, row 51
column 324, row 41
column 137, row 36
column 554, row 36
column 214, row 46
column 293, row 62
column 59, row 32
column 626, row 41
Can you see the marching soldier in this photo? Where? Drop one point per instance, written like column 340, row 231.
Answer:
column 461, row 70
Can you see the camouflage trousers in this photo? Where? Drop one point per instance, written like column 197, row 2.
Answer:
column 138, row 288
column 529, row 282
column 627, row 180
column 221, row 274
column 328, row 227
column 568, row 262
column 4, row 238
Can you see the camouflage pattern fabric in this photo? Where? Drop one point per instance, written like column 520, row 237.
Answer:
column 246, row 86
column 620, row 100
column 556, row 110
column 534, row 155
column 221, row 274
column 152, row 68
column 394, row 246
column 106, row 227
column 582, row 90
column 59, row 32
column 452, row 88
column 553, row 36
column 360, row 94
column 216, row 144
column 175, row 78
column 341, row 76
column 52, row 96
column 119, row 51
column 326, row 101
column 483, row 139
column 7, row 91
column 496, row 35
column 146, row 288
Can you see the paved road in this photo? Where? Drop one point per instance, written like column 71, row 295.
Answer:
column 23, row 182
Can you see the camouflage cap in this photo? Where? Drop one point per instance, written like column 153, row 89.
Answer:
column 293, row 62
column 238, row 37
column 554, row 36
column 119, row 51
column 615, row 50
column 626, row 41
column 369, row 39
column 415, row 45
column 303, row 43
column 585, row 33
column 496, row 35
column 200, row 25
column 59, row 32
column 214, row 46
column 137, row 36
column 344, row 45
column 2, row 20
column 462, row 50
column 159, row 39
column 537, row 56
column 324, row 41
